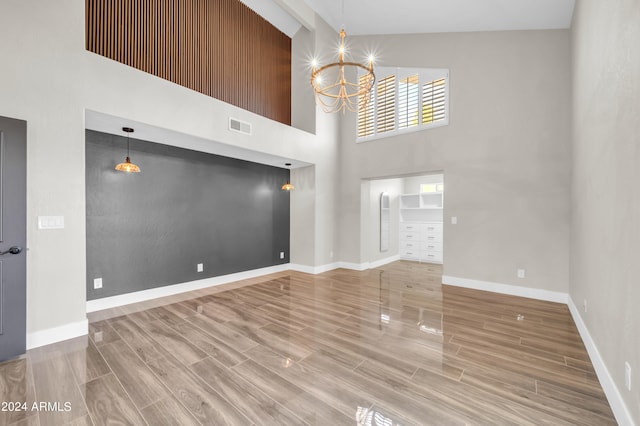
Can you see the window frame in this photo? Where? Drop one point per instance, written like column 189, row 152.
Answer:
column 425, row 75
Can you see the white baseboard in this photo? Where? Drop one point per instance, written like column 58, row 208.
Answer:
column 620, row 410
column 514, row 290
column 313, row 269
column 352, row 266
column 57, row 334
column 382, row 262
column 346, row 265
column 154, row 293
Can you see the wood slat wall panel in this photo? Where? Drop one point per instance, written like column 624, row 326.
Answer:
column 220, row 48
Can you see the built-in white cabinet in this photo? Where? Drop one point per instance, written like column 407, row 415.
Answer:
column 421, row 226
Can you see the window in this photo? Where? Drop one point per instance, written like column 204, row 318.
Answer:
column 431, row 187
column 386, row 105
column 404, row 100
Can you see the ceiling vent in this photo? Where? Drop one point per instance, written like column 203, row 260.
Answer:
column 239, row 126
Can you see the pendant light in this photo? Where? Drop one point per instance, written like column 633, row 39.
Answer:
column 128, row 166
column 288, row 186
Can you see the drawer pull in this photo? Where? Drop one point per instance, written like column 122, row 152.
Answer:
column 431, row 247
column 431, row 228
column 431, row 238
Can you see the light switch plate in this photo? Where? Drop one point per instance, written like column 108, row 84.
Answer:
column 50, row 222
column 454, row 220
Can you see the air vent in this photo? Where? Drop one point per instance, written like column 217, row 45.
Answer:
column 239, row 126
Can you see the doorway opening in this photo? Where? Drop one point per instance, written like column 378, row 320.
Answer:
column 403, row 218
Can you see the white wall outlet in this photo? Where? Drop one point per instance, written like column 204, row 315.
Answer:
column 281, row 255
column 331, row 254
column 584, row 305
column 200, row 267
column 97, row 336
column 97, row 283
column 454, row 220
column 627, row 376
column 520, row 273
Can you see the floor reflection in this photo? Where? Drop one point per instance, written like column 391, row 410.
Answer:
column 388, row 346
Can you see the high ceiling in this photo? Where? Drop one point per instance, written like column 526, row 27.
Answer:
column 363, row 17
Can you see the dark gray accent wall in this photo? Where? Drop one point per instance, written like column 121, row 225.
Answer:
column 151, row 229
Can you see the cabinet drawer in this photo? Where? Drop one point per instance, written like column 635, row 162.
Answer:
column 407, row 253
column 434, row 256
column 433, row 228
column 409, row 236
column 432, row 238
column 410, row 245
column 411, row 227
column 431, row 247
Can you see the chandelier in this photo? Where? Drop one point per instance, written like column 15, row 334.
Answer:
column 334, row 92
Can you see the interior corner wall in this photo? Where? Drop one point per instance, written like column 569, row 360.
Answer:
column 50, row 81
column 150, row 229
column 605, row 233
column 505, row 152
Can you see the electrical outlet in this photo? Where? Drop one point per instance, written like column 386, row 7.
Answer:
column 584, row 304
column 454, row 220
column 97, row 283
column 97, row 336
column 200, row 267
column 520, row 273
column 281, row 255
column 627, row 376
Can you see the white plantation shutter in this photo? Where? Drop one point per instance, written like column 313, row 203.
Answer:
column 404, row 100
column 386, row 104
column 366, row 113
column 408, row 102
column 433, row 101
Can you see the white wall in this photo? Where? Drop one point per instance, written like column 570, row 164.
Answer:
column 48, row 79
column 605, row 237
column 505, row 153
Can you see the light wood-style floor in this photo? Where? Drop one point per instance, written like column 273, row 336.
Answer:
column 389, row 346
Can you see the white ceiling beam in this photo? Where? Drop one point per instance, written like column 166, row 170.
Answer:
column 299, row 10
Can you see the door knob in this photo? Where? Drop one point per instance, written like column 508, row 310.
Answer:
column 12, row 250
